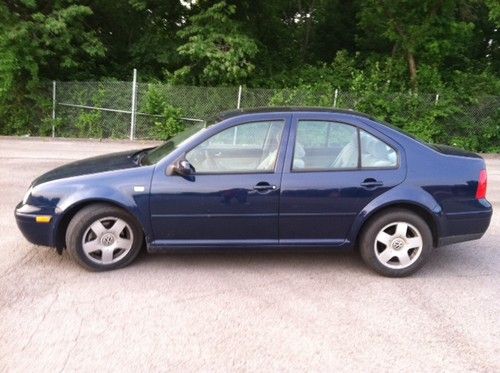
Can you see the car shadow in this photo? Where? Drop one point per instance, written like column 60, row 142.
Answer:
column 262, row 258
column 459, row 260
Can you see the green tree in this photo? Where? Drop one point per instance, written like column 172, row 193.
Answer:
column 494, row 7
column 427, row 31
column 136, row 34
column 216, row 49
column 36, row 40
column 388, row 58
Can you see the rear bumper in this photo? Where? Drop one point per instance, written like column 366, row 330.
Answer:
column 35, row 232
column 465, row 226
column 443, row 241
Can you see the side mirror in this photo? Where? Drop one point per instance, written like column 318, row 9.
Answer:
column 181, row 167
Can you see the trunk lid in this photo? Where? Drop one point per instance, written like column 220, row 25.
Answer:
column 450, row 150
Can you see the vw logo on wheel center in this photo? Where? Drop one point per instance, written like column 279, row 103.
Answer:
column 397, row 244
column 108, row 239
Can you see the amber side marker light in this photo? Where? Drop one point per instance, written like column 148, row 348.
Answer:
column 43, row 219
column 482, row 185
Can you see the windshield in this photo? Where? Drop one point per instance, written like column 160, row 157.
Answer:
column 154, row 155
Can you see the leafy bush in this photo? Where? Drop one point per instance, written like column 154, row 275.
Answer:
column 89, row 124
column 169, row 120
column 47, row 125
column 170, row 124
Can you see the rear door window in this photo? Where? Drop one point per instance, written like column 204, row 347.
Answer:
column 325, row 145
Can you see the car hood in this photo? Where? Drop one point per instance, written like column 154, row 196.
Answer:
column 103, row 163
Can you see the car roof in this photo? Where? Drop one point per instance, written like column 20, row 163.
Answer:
column 288, row 109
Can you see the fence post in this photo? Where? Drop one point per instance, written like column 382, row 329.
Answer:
column 437, row 99
column 238, row 105
column 53, row 108
column 335, row 98
column 133, row 108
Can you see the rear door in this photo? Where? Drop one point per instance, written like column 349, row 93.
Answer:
column 333, row 168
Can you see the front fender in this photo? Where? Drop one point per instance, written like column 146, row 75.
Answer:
column 130, row 192
column 136, row 205
column 400, row 195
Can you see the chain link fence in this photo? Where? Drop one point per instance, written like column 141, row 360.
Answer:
column 105, row 109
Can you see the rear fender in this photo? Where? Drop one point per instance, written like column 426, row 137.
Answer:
column 401, row 195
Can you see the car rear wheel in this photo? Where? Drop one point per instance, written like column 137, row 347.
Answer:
column 396, row 243
column 103, row 237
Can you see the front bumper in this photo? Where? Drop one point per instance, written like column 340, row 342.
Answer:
column 38, row 233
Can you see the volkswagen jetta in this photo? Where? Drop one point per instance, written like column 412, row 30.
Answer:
column 265, row 178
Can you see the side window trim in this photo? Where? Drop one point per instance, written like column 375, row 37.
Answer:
column 358, row 133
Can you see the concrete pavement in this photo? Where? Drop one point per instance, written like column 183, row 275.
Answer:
column 237, row 311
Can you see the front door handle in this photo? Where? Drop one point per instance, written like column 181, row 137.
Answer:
column 371, row 183
column 264, row 186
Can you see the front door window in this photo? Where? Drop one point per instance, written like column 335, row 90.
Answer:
column 246, row 148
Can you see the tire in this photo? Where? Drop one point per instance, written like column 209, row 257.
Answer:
column 103, row 237
column 396, row 243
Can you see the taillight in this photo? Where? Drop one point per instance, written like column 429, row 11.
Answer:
column 481, row 185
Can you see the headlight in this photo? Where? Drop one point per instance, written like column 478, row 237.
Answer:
column 27, row 195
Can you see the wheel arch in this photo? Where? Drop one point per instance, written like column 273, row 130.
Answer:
column 59, row 234
column 424, row 212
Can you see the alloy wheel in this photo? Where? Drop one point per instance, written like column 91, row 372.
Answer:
column 398, row 245
column 107, row 240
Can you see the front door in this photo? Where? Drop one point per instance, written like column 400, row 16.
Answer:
column 333, row 170
column 233, row 196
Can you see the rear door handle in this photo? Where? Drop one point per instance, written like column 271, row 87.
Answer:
column 264, row 186
column 371, row 183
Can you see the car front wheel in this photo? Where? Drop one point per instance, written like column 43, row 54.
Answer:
column 103, row 237
column 396, row 243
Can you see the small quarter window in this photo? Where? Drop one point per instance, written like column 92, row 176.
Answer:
column 376, row 153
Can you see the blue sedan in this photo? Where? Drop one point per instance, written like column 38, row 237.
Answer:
column 284, row 177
